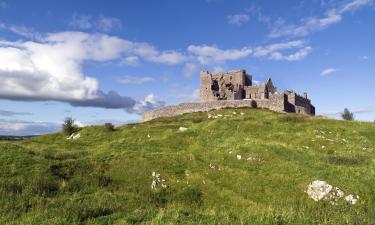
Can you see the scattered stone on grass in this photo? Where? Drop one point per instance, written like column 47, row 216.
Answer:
column 352, row 199
column 182, row 129
column 239, row 157
column 214, row 167
column 74, row 136
column 367, row 149
column 157, row 181
column 252, row 158
column 321, row 190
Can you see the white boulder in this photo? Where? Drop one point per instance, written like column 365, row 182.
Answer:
column 182, row 129
column 74, row 136
column 321, row 190
column 318, row 189
column 352, row 199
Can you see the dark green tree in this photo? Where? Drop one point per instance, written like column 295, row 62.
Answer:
column 69, row 127
column 347, row 115
column 109, row 127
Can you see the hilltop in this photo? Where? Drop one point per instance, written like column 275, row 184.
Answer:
column 230, row 166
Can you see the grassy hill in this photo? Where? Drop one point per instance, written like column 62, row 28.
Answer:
column 105, row 177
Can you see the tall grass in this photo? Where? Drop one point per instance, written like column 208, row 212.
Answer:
column 105, row 177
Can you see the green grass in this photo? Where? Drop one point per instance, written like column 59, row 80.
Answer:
column 105, row 177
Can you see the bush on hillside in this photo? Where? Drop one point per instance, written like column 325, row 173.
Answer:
column 347, row 115
column 69, row 127
column 109, row 127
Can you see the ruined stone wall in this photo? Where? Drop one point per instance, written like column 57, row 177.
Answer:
column 223, row 85
column 299, row 104
column 276, row 104
column 205, row 91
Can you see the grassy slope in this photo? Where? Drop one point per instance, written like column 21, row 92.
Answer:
column 105, row 177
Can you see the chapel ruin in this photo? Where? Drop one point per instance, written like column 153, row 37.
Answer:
column 238, row 85
column 235, row 89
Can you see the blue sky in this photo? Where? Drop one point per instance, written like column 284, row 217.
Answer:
column 108, row 61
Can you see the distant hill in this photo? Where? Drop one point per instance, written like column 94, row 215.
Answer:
column 16, row 138
column 242, row 166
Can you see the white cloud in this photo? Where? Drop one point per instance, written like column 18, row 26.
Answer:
column 311, row 24
column 101, row 23
column 149, row 53
column 328, row 71
column 365, row 57
column 238, row 19
column 107, row 24
column 131, row 61
column 150, row 102
column 12, row 113
column 20, row 127
column 354, row 5
column 25, row 32
column 274, row 51
column 51, row 69
column 80, row 22
column 207, row 55
column 135, row 79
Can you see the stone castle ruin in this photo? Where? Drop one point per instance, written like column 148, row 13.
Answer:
column 235, row 89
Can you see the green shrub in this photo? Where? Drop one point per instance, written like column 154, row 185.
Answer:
column 69, row 127
column 109, row 127
column 347, row 115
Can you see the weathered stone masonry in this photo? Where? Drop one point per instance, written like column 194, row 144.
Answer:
column 235, row 90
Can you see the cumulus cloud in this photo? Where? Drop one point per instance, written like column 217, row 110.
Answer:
column 51, row 69
column 238, row 19
column 150, row 102
column 312, row 24
column 12, row 113
column 135, row 79
column 328, row 71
